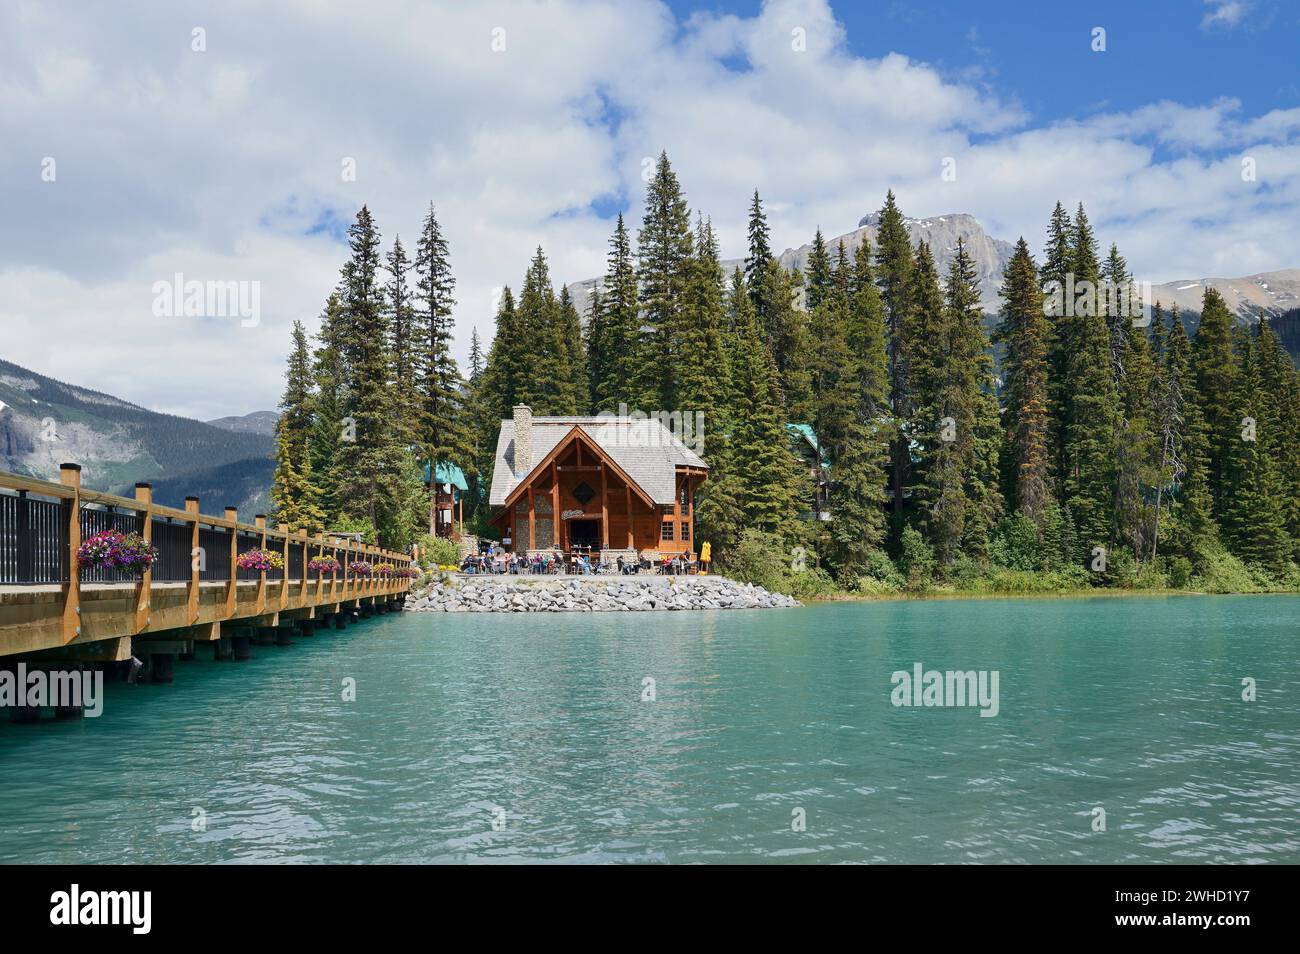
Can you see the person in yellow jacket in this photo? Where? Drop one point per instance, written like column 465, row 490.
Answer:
column 706, row 557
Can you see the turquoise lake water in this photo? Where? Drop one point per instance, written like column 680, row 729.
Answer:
column 1132, row 705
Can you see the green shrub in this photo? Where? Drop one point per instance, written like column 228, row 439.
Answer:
column 438, row 551
column 916, row 559
column 966, row 572
column 1221, row 572
column 882, row 570
column 871, row 586
column 1179, row 572
column 810, row 584
column 1015, row 544
column 758, row 558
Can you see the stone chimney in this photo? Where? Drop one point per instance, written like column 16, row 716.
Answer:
column 523, row 415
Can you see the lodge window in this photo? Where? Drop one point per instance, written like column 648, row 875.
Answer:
column 666, row 530
column 686, row 532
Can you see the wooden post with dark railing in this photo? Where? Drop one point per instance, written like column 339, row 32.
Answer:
column 260, row 521
column 42, row 526
column 284, row 557
column 232, row 588
column 144, row 494
column 192, row 590
column 306, row 558
column 70, row 476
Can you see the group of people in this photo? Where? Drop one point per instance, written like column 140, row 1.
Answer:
column 496, row 559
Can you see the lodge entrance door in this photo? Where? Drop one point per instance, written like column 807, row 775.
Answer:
column 584, row 533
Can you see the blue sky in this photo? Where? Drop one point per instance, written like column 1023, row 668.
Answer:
column 1040, row 52
column 223, row 164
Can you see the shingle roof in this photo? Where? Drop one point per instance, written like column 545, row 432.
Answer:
column 646, row 450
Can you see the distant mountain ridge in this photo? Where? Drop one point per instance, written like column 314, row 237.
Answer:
column 1269, row 293
column 44, row 422
column 258, row 422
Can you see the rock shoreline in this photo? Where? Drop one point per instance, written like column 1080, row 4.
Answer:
column 516, row 594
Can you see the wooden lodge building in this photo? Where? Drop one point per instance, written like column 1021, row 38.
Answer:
column 615, row 483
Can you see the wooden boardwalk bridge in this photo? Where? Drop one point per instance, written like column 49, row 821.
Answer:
column 54, row 613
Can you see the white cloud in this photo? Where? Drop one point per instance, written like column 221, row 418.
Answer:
column 218, row 164
column 1224, row 14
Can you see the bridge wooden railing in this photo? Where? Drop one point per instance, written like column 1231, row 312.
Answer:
column 42, row 524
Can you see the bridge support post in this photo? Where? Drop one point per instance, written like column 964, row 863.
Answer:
column 284, row 634
column 162, row 667
column 221, row 649
column 265, row 635
column 306, row 627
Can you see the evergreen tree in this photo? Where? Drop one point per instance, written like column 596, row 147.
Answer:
column 1026, row 334
column 1216, row 386
column 615, row 370
column 951, row 379
column 719, row 504
column 664, row 250
column 370, row 458
column 894, row 275
column 1112, row 298
column 444, row 434
column 1092, row 409
column 294, row 497
column 820, row 277
column 1055, row 277
column 1185, row 455
column 574, row 354
column 327, row 427
column 834, row 362
column 859, row 475
column 406, row 344
column 545, row 378
column 771, row 484
column 788, row 338
column 1279, row 397
column 757, row 264
column 1254, row 523
column 702, row 383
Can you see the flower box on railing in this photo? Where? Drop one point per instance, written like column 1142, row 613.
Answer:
column 385, row 569
column 359, row 568
column 260, row 561
column 110, row 550
column 406, row 573
column 323, row 565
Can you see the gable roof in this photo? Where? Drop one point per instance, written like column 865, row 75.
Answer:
column 644, row 449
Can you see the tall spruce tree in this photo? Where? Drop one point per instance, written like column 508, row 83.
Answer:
column 406, row 343
column 544, row 373
column 1092, row 411
column 1026, row 335
column 894, row 265
column 574, row 353
column 444, row 433
column 757, row 264
column 820, row 277
column 615, row 373
column 371, row 463
column 1193, row 534
column 1216, row 386
column 1280, row 409
column 1254, row 523
column 1055, row 277
column 295, row 499
column 664, row 252
column 327, row 427
column 719, row 506
column 772, row 485
column 859, row 475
